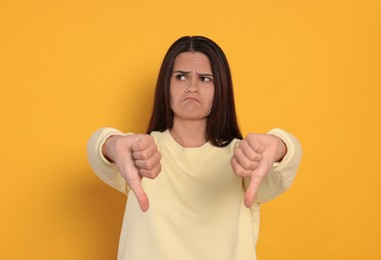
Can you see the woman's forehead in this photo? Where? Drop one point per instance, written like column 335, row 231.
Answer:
column 188, row 61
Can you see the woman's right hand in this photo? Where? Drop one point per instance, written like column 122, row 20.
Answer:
column 136, row 156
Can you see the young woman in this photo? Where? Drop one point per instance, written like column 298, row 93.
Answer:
column 197, row 182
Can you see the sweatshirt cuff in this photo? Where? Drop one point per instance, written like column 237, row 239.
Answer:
column 292, row 145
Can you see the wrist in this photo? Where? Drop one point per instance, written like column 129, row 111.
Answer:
column 107, row 146
column 281, row 151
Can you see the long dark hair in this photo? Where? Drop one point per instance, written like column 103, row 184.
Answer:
column 222, row 126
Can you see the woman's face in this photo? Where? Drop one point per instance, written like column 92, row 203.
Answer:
column 191, row 86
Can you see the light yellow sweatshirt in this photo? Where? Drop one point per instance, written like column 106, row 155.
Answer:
column 196, row 202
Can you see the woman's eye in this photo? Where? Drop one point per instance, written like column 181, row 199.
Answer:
column 206, row 79
column 181, row 77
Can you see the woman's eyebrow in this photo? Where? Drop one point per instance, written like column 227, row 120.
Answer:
column 188, row 72
column 205, row 74
column 181, row 71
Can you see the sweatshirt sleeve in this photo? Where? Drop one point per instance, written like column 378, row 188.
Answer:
column 105, row 170
column 283, row 173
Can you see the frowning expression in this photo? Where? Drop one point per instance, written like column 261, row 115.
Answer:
column 191, row 86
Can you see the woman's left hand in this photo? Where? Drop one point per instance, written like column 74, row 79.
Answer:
column 254, row 158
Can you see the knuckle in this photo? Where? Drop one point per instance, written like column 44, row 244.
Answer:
column 251, row 156
column 255, row 165
column 155, row 174
column 239, row 172
column 144, row 155
column 247, row 165
column 237, row 152
column 233, row 162
column 151, row 174
column 148, row 165
column 148, row 138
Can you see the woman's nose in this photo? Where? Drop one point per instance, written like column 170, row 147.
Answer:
column 193, row 86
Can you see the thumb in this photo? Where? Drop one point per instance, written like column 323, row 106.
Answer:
column 255, row 180
column 140, row 194
column 251, row 191
column 134, row 182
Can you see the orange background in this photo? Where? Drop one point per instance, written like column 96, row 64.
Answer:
column 70, row 67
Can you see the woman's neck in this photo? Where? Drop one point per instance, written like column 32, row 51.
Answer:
column 189, row 133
